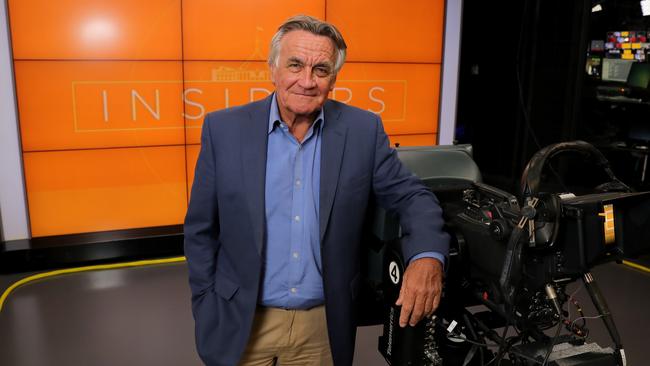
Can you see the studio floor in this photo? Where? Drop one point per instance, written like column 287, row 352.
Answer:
column 141, row 316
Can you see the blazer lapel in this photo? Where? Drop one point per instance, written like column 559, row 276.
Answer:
column 333, row 143
column 253, row 145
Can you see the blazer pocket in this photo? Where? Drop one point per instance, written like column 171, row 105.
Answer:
column 224, row 286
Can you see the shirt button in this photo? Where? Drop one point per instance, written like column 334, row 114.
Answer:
column 293, row 290
column 298, row 182
column 297, row 218
column 295, row 255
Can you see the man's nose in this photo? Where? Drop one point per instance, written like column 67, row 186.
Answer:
column 307, row 79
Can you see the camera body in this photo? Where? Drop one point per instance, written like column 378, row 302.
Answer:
column 510, row 256
column 566, row 237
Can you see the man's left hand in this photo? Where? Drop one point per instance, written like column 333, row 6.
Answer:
column 421, row 290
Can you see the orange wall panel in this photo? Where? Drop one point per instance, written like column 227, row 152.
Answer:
column 95, row 29
column 98, row 190
column 73, row 104
column 405, row 96
column 112, row 94
column 237, row 30
column 390, row 30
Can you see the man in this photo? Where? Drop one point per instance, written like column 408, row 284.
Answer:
column 273, row 228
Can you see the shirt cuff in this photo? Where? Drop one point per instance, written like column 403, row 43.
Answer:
column 435, row 255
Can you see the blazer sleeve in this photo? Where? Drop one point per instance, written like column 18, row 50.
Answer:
column 202, row 219
column 402, row 194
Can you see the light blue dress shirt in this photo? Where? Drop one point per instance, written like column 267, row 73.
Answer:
column 292, row 267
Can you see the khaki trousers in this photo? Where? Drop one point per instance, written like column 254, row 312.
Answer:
column 288, row 338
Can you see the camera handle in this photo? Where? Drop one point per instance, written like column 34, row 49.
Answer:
column 514, row 250
column 531, row 177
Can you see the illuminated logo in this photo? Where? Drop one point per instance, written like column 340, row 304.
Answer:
column 143, row 105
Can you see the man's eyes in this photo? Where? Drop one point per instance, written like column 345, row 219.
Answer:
column 320, row 71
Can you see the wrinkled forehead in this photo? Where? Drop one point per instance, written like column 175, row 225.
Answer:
column 307, row 47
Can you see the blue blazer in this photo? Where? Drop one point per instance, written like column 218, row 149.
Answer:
column 225, row 222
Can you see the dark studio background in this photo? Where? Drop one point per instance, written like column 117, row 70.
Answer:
column 523, row 85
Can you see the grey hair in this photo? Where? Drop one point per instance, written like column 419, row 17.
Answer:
column 314, row 26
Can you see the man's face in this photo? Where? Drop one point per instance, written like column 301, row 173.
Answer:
column 304, row 74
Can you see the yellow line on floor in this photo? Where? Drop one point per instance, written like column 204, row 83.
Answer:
column 637, row 266
column 98, row 267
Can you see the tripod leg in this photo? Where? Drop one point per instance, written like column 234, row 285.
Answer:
column 603, row 310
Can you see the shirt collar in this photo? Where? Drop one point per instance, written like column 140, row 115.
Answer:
column 274, row 115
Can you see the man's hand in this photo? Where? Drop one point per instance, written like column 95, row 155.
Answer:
column 420, row 292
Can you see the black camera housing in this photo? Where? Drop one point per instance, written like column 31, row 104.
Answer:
column 506, row 251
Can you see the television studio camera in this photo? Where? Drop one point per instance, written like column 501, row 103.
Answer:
column 511, row 259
